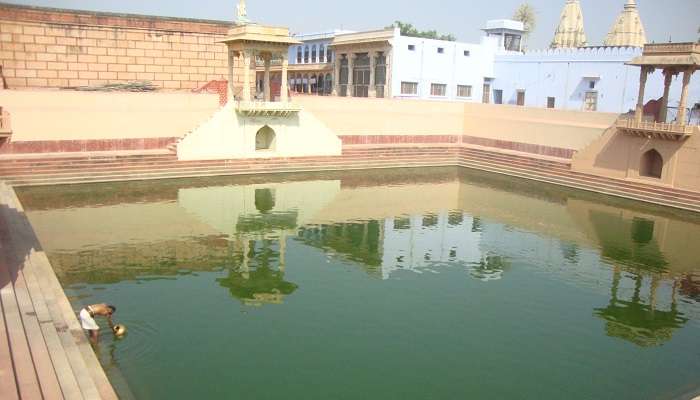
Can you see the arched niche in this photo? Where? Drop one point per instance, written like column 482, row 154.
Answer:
column 265, row 139
column 651, row 164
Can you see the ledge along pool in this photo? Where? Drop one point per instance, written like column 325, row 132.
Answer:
column 436, row 283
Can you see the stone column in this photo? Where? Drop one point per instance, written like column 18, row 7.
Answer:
column 372, row 77
column 336, row 76
column 663, row 112
column 247, row 54
column 388, row 81
column 639, row 112
column 684, row 96
column 231, row 62
column 267, row 58
column 351, row 66
column 285, row 80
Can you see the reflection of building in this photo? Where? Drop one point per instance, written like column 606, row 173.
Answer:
column 639, row 322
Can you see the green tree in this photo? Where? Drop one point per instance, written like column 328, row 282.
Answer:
column 527, row 15
column 408, row 29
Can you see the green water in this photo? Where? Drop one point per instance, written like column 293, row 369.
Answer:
column 402, row 284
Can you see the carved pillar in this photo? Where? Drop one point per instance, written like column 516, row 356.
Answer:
column 663, row 112
column 639, row 112
column 372, row 77
column 684, row 96
column 266, row 77
column 284, row 88
column 351, row 66
column 247, row 54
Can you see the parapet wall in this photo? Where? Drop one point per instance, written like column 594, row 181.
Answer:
column 44, row 47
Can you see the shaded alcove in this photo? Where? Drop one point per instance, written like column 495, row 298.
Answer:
column 651, row 164
column 265, row 139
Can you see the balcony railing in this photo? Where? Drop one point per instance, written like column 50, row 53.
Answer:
column 267, row 108
column 659, row 130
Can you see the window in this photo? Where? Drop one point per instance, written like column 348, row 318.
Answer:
column 409, row 87
column 438, row 89
column 551, row 101
column 321, row 53
column 590, row 102
column 441, row 50
column 329, row 55
column 360, row 75
column 299, row 55
column 380, row 74
column 306, row 54
column 512, row 42
column 313, row 54
column 521, row 98
column 467, row 53
column 464, row 91
column 498, row 96
column 591, row 85
column 344, row 75
column 412, row 47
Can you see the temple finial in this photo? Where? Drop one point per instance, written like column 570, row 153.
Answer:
column 242, row 13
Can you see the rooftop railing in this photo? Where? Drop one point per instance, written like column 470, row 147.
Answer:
column 672, row 48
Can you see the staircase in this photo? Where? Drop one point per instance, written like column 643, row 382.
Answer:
column 69, row 169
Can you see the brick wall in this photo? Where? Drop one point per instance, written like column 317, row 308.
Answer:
column 42, row 47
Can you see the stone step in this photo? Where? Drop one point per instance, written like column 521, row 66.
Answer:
column 112, row 162
column 611, row 184
column 20, row 173
column 565, row 181
column 217, row 172
column 605, row 180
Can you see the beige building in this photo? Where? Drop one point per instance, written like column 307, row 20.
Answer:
column 363, row 64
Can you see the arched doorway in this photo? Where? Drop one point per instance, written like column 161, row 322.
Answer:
column 265, row 139
column 652, row 164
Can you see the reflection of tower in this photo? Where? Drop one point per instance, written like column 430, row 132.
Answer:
column 255, row 281
column 637, row 322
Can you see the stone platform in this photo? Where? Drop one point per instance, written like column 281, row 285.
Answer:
column 44, row 353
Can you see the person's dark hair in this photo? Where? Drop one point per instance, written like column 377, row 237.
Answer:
column 113, row 308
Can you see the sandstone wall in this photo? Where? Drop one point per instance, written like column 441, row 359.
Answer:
column 42, row 47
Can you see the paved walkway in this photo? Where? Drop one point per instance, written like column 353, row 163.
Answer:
column 44, row 353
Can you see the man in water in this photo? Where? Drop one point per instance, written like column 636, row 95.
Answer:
column 87, row 318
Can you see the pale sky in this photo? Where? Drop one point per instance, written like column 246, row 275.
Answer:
column 663, row 19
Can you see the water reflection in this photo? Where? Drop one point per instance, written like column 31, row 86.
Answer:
column 633, row 319
column 643, row 259
column 256, row 281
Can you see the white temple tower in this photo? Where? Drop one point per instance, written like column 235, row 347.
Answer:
column 628, row 29
column 570, row 32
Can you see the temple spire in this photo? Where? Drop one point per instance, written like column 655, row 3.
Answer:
column 242, row 13
column 570, row 32
column 628, row 29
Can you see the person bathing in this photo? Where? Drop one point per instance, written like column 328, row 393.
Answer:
column 87, row 320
